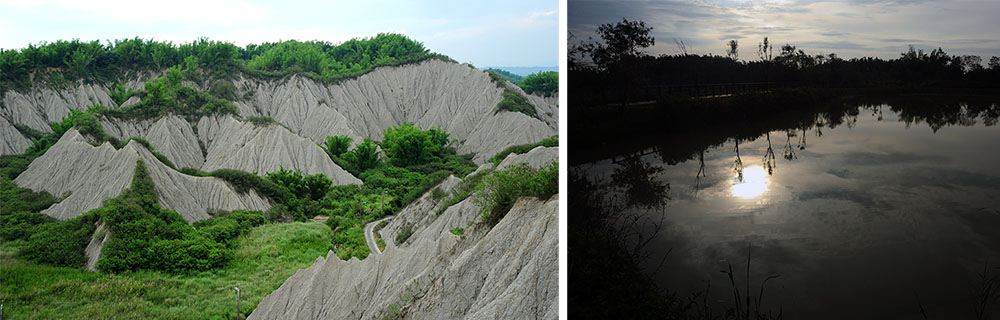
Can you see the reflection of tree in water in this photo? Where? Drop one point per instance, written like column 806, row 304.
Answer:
column 701, row 172
column 597, row 207
column 768, row 160
column 938, row 114
column 738, row 164
column 789, row 152
column 636, row 178
column 802, row 140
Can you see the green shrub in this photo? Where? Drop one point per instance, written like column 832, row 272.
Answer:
column 312, row 186
column 244, row 181
column 514, row 102
column 437, row 194
column 463, row 190
column 147, row 237
column 61, row 243
column 363, row 157
column 407, row 145
column 501, row 189
column 504, row 74
column 195, row 172
column 458, row 231
column 342, row 222
column 351, row 243
column 120, row 94
column 543, row 83
column 404, row 233
column 21, row 224
column 16, row 199
column 278, row 213
column 426, row 184
column 552, row 141
column 12, row 166
column 336, row 145
column 261, row 121
column 228, row 226
column 223, row 89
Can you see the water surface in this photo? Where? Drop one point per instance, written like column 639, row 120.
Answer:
column 872, row 211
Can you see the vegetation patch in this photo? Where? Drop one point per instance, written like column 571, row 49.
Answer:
column 552, row 141
column 350, row 242
column 261, row 121
column 120, row 94
column 404, row 233
column 262, row 260
column 511, row 101
column 507, row 75
column 541, row 83
column 463, row 190
column 502, row 188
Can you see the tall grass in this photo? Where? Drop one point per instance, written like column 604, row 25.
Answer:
column 264, row 258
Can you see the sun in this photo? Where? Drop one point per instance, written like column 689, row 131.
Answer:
column 754, row 183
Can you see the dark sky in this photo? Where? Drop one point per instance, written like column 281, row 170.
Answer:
column 849, row 28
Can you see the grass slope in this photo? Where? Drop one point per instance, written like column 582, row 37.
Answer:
column 264, row 258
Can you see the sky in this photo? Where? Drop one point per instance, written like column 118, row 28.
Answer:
column 849, row 28
column 484, row 33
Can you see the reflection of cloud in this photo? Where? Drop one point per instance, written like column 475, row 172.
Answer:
column 865, row 199
column 896, row 158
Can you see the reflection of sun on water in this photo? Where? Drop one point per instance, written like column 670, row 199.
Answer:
column 754, row 183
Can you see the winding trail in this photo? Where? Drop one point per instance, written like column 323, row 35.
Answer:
column 370, row 236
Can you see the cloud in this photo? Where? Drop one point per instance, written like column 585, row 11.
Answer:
column 834, row 34
column 872, row 25
column 217, row 12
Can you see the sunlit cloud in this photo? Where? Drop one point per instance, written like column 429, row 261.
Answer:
column 850, row 28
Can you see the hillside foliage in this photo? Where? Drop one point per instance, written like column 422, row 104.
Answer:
column 104, row 62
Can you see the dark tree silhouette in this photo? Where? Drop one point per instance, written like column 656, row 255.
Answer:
column 732, row 50
column 621, row 40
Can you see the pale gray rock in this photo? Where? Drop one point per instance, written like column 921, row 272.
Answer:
column 507, row 272
column 419, row 213
column 41, row 105
column 132, row 100
column 12, row 141
column 512, row 273
column 96, row 245
column 171, row 136
column 86, row 175
column 501, row 131
column 233, row 144
column 538, row 158
column 459, row 99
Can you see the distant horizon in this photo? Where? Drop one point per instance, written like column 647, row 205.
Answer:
column 525, row 71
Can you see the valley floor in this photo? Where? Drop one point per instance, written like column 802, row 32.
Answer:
column 264, row 258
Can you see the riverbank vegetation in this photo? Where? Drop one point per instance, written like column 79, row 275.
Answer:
column 626, row 91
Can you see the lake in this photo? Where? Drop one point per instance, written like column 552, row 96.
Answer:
column 881, row 208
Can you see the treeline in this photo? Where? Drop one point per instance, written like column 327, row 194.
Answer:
column 543, row 83
column 68, row 60
column 914, row 68
column 618, row 66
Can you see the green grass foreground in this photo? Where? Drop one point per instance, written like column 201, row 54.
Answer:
column 263, row 260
